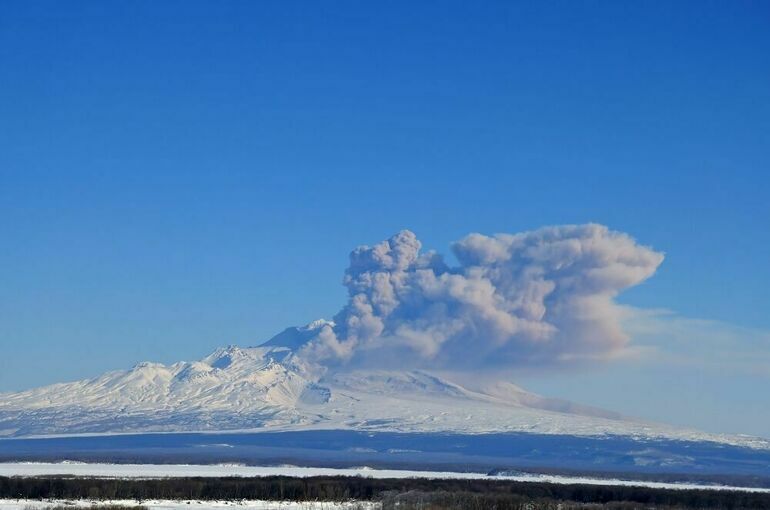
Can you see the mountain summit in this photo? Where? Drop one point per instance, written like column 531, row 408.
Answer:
column 269, row 387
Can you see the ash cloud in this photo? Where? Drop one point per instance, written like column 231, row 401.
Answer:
column 535, row 298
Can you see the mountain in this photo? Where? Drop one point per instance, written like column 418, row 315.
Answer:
column 270, row 388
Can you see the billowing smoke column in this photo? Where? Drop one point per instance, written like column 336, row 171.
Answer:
column 540, row 297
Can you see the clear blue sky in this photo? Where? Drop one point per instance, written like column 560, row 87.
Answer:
column 175, row 176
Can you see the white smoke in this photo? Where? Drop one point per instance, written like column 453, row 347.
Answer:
column 539, row 297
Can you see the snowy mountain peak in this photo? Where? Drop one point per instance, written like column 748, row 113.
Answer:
column 297, row 336
column 224, row 356
column 317, row 324
column 147, row 365
column 269, row 388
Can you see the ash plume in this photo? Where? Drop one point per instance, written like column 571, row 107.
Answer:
column 535, row 298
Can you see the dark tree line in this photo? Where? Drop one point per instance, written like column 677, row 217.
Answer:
column 498, row 494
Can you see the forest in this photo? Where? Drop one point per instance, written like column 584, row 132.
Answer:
column 392, row 493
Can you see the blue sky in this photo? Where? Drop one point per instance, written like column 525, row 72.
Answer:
column 180, row 175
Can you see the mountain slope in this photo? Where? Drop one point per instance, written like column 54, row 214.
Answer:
column 269, row 388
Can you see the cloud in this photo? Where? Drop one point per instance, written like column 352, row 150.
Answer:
column 540, row 297
column 674, row 340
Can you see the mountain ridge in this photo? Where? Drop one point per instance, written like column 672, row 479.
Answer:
column 269, row 387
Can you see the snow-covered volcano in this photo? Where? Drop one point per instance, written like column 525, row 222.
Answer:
column 270, row 388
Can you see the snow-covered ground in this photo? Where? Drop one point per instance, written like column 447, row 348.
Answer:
column 183, row 470
column 26, row 504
